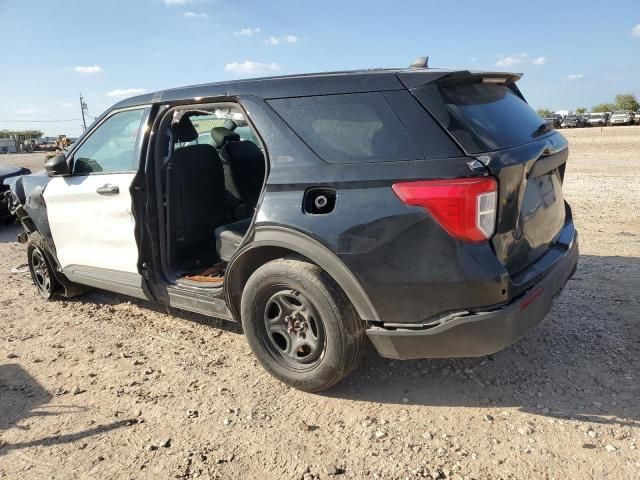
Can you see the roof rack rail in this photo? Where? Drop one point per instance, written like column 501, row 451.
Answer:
column 420, row 62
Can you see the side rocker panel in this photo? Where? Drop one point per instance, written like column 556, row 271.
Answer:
column 126, row 283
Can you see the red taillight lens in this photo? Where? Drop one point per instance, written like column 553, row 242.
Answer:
column 464, row 207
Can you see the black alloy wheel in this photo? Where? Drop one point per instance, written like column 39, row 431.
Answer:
column 41, row 272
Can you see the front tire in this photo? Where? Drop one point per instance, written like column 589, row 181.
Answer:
column 300, row 325
column 42, row 273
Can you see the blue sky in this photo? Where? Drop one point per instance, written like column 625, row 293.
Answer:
column 573, row 53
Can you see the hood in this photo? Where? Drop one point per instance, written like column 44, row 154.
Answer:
column 7, row 171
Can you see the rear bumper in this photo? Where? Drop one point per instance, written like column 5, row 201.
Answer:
column 485, row 332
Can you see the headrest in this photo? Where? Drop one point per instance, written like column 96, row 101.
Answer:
column 223, row 135
column 184, row 130
column 230, row 124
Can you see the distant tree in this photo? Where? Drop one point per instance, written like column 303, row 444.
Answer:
column 627, row 101
column 581, row 110
column 26, row 133
column 544, row 112
column 603, row 107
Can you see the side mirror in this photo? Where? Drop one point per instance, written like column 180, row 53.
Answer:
column 56, row 166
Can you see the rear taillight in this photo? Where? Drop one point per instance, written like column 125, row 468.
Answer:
column 464, row 207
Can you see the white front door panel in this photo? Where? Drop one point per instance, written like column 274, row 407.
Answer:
column 89, row 228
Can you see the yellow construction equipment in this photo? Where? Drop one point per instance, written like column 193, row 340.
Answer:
column 62, row 143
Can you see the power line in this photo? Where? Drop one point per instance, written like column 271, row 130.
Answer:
column 55, row 95
column 42, row 121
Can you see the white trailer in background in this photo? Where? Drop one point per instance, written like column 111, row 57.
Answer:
column 8, row 145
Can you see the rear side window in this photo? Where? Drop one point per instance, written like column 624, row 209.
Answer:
column 349, row 128
column 482, row 117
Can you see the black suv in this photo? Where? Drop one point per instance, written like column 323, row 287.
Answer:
column 8, row 176
column 420, row 208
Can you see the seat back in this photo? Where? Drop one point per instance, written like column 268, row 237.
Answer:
column 247, row 166
column 195, row 192
column 221, row 136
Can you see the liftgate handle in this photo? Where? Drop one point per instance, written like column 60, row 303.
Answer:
column 108, row 189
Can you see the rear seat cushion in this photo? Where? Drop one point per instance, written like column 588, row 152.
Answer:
column 228, row 238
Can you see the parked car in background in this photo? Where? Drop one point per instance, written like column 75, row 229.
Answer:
column 8, row 176
column 598, row 119
column 554, row 120
column 48, row 144
column 570, row 121
column 583, row 118
column 621, row 117
column 38, row 144
column 420, row 208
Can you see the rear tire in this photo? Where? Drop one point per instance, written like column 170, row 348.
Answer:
column 300, row 325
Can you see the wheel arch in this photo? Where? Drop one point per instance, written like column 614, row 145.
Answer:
column 71, row 289
column 270, row 243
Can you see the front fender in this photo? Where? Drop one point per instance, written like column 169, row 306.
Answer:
column 29, row 206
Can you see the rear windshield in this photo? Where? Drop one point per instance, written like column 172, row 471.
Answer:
column 349, row 128
column 483, row 117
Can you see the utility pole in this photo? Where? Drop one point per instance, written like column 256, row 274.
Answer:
column 83, row 107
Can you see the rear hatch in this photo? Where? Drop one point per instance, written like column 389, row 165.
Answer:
column 490, row 120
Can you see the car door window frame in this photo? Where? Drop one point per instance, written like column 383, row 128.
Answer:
column 161, row 152
column 144, row 125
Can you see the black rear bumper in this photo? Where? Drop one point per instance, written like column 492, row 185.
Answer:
column 486, row 332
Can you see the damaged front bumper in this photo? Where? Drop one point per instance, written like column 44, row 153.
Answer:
column 486, row 332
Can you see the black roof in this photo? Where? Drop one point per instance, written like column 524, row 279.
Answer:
column 326, row 83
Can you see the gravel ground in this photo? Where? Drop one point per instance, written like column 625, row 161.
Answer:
column 105, row 387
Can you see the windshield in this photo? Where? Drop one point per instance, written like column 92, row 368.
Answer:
column 621, row 112
column 482, row 116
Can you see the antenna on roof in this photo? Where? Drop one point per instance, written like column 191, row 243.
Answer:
column 420, row 62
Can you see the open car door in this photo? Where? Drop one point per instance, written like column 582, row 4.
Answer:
column 90, row 211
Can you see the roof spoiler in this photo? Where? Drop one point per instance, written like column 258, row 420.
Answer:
column 418, row 78
column 466, row 76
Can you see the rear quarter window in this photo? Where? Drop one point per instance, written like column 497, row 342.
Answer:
column 348, row 128
column 482, row 117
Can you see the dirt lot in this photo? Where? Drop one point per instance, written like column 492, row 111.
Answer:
column 103, row 387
